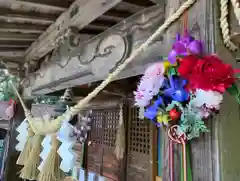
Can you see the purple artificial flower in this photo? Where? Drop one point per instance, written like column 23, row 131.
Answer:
column 183, row 46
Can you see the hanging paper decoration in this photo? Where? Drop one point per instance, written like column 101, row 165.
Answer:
column 46, row 145
column 22, row 129
column 187, row 90
column 65, row 150
column 81, row 175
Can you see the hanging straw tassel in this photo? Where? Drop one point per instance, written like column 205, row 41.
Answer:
column 27, row 148
column 51, row 170
column 120, row 141
column 30, row 170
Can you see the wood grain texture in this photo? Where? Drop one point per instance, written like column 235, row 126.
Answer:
column 80, row 65
column 228, row 124
column 80, row 14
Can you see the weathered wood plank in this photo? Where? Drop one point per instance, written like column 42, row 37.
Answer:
column 5, row 35
column 80, row 13
column 24, row 20
column 87, row 62
column 10, row 54
column 125, row 6
column 227, row 127
column 58, row 3
column 31, row 7
column 157, row 1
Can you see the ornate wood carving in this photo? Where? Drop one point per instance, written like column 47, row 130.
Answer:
column 93, row 60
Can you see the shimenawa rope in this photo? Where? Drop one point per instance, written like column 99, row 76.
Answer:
column 225, row 26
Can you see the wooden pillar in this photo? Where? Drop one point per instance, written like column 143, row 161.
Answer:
column 153, row 153
column 12, row 169
column 228, row 125
column 201, row 24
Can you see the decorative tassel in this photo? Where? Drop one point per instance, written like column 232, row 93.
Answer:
column 120, row 141
column 51, row 170
column 27, row 148
column 30, row 170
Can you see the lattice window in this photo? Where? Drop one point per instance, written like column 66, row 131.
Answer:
column 104, row 126
column 110, row 129
column 139, row 133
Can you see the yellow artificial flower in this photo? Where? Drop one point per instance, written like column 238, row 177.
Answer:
column 167, row 64
column 162, row 118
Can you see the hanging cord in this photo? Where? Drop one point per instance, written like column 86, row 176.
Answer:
column 120, row 140
column 225, row 26
column 236, row 9
column 185, row 23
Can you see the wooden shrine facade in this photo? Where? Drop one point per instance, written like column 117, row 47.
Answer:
column 85, row 50
column 101, row 159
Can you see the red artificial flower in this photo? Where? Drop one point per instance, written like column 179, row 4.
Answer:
column 207, row 73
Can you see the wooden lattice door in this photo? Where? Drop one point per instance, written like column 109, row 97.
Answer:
column 138, row 157
column 101, row 157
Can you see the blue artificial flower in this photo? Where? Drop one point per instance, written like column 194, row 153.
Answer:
column 176, row 90
column 151, row 111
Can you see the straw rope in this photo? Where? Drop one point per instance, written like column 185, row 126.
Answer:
column 225, row 26
column 236, row 9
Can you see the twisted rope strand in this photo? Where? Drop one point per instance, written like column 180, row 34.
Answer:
column 225, row 26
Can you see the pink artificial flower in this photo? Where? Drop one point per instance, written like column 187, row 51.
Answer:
column 149, row 85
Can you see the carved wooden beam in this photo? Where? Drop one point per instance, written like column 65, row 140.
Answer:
column 95, row 58
column 80, row 14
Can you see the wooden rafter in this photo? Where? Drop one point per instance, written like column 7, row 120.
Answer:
column 30, row 7
column 23, row 20
column 10, row 54
column 80, row 14
column 157, row 1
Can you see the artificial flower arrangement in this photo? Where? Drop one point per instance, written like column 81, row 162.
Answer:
column 186, row 89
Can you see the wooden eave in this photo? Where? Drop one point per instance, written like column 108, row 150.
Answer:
column 31, row 29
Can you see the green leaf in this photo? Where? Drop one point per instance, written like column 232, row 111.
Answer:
column 172, row 71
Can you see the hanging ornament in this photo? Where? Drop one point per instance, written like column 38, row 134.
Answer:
column 80, row 130
column 174, row 114
column 10, row 111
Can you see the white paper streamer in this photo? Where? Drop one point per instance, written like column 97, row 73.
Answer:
column 22, row 129
column 65, row 150
column 46, row 144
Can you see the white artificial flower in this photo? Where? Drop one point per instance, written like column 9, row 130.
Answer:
column 149, row 84
column 209, row 99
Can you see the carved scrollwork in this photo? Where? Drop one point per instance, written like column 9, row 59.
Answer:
column 98, row 53
column 110, row 51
